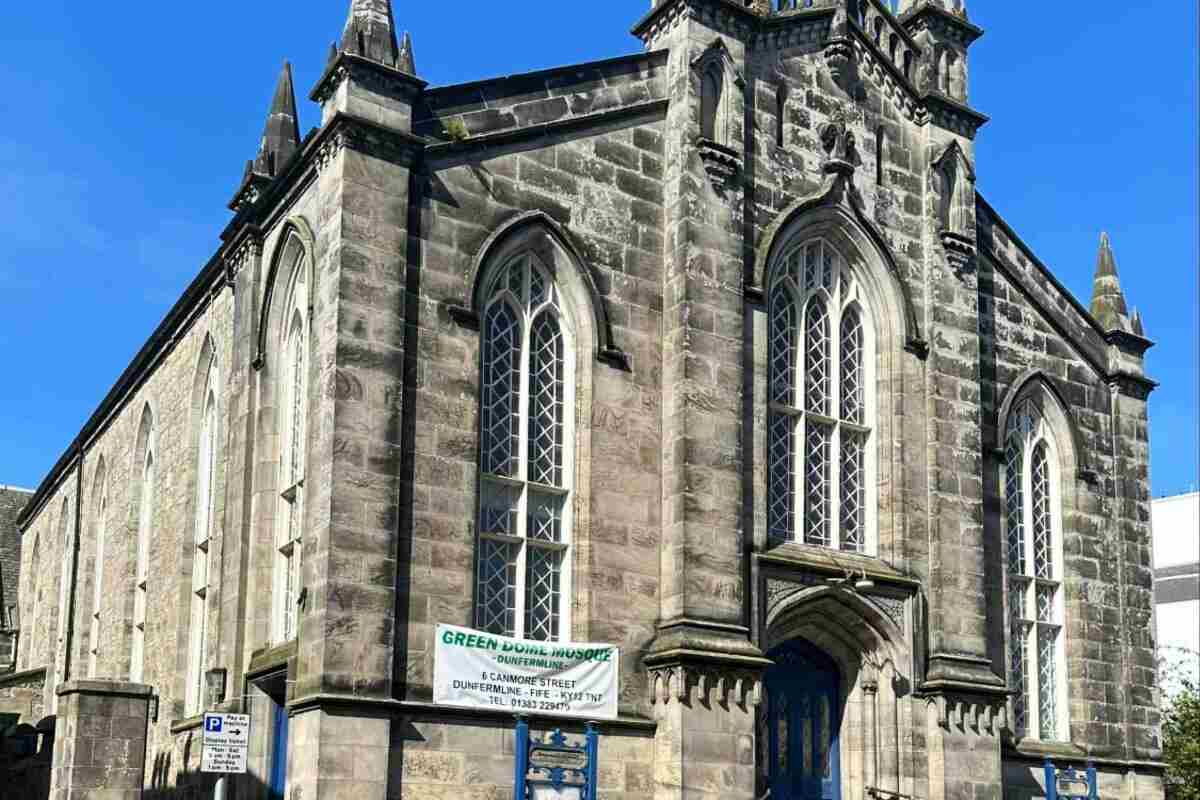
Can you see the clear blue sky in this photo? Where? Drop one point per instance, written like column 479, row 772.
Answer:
column 128, row 124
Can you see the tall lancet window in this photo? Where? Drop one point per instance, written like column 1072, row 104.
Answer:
column 206, row 463
column 819, row 429
column 1037, row 660
column 101, row 528
column 526, row 456
column 137, row 655
column 289, row 527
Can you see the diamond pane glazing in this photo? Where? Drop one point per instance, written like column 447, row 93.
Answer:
column 816, row 353
column 1018, row 664
column 500, row 387
column 1018, row 602
column 812, row 267
column 538, row 288
column 498, row 509
column 542, row 585
column 497, row 590
column 1045, row 603
column 852, row 366
column 816, row 485
column 1014, row 508
column 515, row 279
column 546, row 402
column 783, row 347
column 1047, row 682
column 827, row 271
column 1043, row 539
column 545, row 517
column 854, row 492
column 781, row 477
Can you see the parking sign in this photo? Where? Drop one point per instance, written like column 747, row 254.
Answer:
column 226, row 742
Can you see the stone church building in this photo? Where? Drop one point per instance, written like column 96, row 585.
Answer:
column 714, row 352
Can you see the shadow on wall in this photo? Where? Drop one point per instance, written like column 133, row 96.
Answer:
column 26, row 755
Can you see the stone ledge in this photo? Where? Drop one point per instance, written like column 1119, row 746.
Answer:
column 19, row 677
column 184, row 725
column 1038, row 752
column 107, row 688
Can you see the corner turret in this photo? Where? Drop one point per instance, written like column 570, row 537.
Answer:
column 370, row 74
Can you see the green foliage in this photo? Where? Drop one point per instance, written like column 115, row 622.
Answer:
column 455, row 129
column 1181, row 735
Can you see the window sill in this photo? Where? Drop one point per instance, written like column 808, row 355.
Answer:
column 189, row 724
column 835, row 564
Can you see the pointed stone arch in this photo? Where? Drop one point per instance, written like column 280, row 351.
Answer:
column 537, row 231
column 1035, row 383
column 869, row 645
column 717, row 77
column 294, row 252
column 834, row 212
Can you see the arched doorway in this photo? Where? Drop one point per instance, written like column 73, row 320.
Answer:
column 799, row 726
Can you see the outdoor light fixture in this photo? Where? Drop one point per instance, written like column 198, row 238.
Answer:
column 864, row 584
column 214, row 680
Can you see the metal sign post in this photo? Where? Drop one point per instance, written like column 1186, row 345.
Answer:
column 554, row 768
column 1071, row 783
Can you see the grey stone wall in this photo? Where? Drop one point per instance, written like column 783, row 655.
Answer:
column 12, row 501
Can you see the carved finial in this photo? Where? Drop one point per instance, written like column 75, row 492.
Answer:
column 1108, row 301
column 281, row 134
column 406, row 62
column 1139, row 329
column 370, row 32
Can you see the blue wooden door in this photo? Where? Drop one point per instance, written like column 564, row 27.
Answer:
column 802, row 720
column 277, row 779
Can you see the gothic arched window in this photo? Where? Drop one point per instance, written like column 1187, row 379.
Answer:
column 1035, row 594
column 819, row 430
column 101, row 528
column 526, row 456
column 292, row 429
column 206, row 461
column 137, row 654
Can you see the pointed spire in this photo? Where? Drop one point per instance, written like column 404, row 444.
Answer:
column 406, row 62
column 371, row 32
column 1108, row 301
column 1139, row 329
column 281, row 135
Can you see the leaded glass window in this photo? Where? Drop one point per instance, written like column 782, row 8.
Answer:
column 206, row 461
column 524, row 456
column 98, row 576
column 820, row 417
column 1035, row 593
column 289, row 532
column 142, row 571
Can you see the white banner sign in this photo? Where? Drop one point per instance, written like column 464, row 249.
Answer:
column 479, row 670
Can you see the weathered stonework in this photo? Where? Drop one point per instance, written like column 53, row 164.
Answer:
column 662, row 192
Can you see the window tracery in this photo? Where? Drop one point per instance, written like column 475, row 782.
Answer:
column 526, row 400
column 821, row 440
column 1035, row 593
